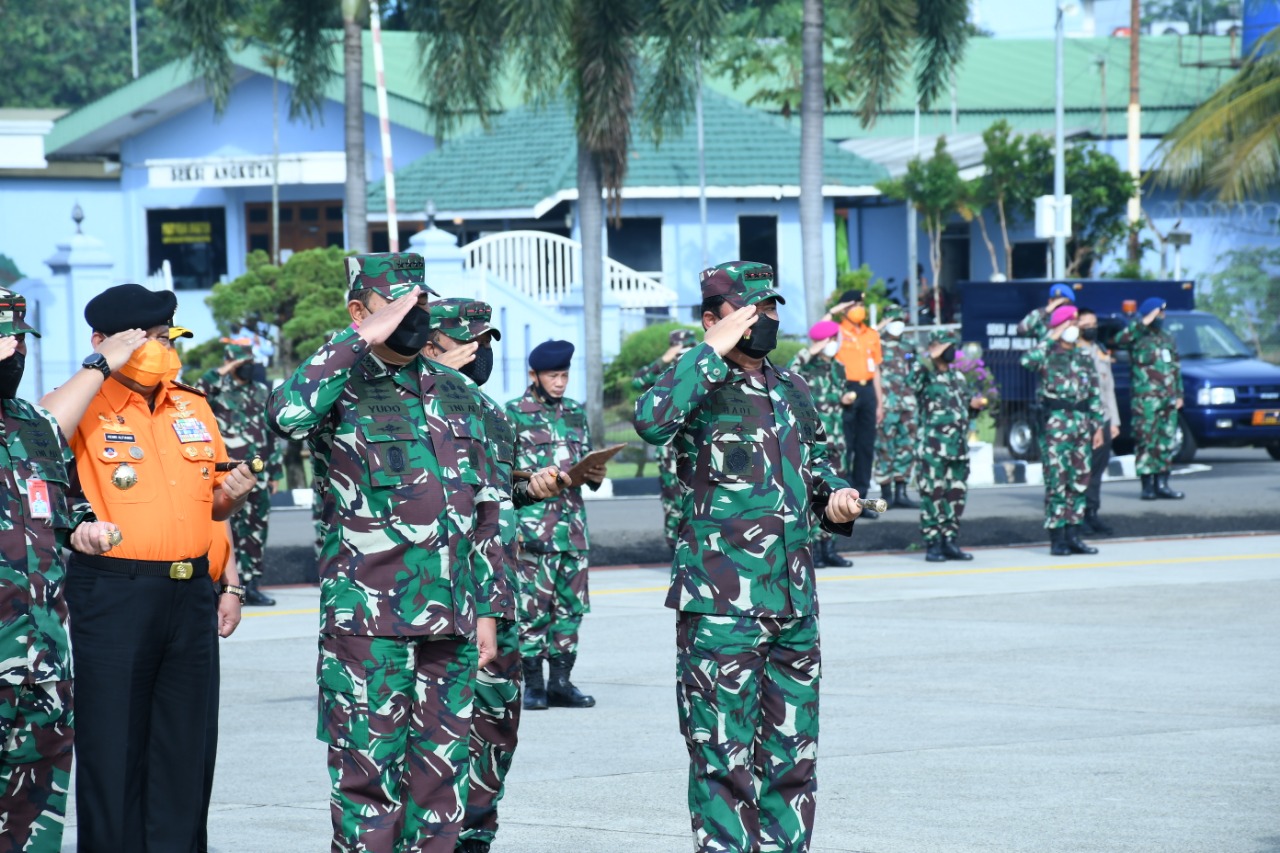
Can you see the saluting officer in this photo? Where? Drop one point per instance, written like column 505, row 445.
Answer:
column 404, row 581
column 752, row 455
column 1157, row 397
column 35, row 683
column 551, row 430
column 462, row 338
column 896, row 444
column 681, row 341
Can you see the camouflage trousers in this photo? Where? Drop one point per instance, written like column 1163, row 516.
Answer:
column 495, row 721
column 35, row 768
column 747, row 699
column 249, row 534
column 1068, row 454
column 672, row 494
column 943, row 487
column 396, row 714
column 1155, row 434
column 553, row 599
column 896, row 447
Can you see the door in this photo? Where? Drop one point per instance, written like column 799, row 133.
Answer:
column 303, row 225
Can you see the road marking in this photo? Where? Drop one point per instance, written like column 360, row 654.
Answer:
column 256, row 613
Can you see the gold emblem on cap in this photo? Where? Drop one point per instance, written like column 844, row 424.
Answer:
column 124, row 477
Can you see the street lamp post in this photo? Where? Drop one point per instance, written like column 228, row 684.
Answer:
column 1059, row 157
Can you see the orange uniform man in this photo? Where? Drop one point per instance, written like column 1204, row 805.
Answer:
column 144, row 620
column 860, row 354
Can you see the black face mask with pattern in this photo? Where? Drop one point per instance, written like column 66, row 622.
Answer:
column 11, row 370
column 479, row 370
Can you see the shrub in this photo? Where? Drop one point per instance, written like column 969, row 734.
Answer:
column 640, row 348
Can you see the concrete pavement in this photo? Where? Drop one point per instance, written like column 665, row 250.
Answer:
column 1122, row 702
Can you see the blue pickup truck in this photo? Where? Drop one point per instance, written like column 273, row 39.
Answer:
column 1231, row 398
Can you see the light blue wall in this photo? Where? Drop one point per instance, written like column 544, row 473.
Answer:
column 35, row 215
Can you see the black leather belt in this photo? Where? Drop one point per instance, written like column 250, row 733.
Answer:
column 1081, row 406
column 180, row 570
column 863, row 382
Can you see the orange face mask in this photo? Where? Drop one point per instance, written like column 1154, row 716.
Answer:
column 174, row 366
column 856, row 314
column 148, row 364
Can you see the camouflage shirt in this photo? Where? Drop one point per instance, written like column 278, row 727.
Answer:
column 825, row 378
column 647, row 375
column 551, row 434
column 943, row 410
column 33, row 612
column 407, row 484
column 241, row 411
column 1068, row 379
column 751, row 454
column 1154, row 360
column 896, row 383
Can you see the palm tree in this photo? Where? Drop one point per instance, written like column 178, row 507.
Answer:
column 613, row 60
column 1230, row 145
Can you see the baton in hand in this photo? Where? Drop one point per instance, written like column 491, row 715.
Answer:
column 873, row 504
column 256, row 465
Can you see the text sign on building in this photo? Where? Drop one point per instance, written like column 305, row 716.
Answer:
column 321, row 167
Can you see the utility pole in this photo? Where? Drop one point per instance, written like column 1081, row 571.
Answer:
column 1135, row 130
column 1102, row 71
column 1059, row 153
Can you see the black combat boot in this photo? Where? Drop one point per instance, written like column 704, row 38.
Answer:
column 1163, row 490
column 933, row 552
column 1148, row 487
column 900, row 496
column 1075, row 543
column 560, row 690
column 818, row 551
column 1058, row 546
column 1095, row 524
column 254, row 597
column 472, row 845
column 535, row 689
column 951, row 550
column 833, row 558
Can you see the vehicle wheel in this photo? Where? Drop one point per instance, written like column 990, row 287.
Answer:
column 1273, row 450
column 1020, row 437
column 1185, row 443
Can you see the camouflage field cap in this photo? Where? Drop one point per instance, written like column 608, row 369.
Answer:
column 462, row 319
column 13, row 314
column 740, row 283
column 390, row 274
column 891, row 312
column 237, row 348
column 682, row 338
column 943, row 336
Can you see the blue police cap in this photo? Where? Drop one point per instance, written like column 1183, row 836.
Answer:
column 1155, row 303
column 1062, row 290
column 551, row 355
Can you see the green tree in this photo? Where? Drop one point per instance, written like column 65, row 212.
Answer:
column 590, row 53
column 66, row 53
column 1100, row 191
column 1004, row 184
column 1198, row 15
column 1245, row 293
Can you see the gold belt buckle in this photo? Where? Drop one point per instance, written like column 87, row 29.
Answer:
column 182, row 570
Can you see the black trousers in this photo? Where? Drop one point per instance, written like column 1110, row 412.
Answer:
column 860, row 435
column 143, row 650
column 1098, row 466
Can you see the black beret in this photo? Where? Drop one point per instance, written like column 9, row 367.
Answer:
column 129, row 306
column 551, row 355
column 850, row 296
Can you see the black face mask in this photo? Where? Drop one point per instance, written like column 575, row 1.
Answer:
column 948, row 354
column 11, row 375
column 479, row 370
column 764, row 337
column 412, row 334
column 1090, row 334
column 244, row 372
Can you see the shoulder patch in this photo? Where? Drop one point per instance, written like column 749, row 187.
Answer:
column 188, row 388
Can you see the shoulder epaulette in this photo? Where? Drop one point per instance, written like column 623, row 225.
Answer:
column 191, row 388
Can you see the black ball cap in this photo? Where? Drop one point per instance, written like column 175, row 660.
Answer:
column 551, row 355
column 129, row 306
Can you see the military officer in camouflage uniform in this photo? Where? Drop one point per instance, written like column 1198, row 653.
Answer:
column 405, row 583
column 752, row 456
column 1073, row 427
column 237, row 392
column 462, row 339
column 896, row 444
column 1157, row 397
column 551, row 430
column 825, row 377
column 942, row 472
column 681, row 340
column 35, row 680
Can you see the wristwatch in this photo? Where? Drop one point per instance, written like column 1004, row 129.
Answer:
column 237, row 591
column 97, row 361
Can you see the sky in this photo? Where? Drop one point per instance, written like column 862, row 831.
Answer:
column 1035, row 18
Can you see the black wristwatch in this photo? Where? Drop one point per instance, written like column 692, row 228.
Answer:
column 97, row 361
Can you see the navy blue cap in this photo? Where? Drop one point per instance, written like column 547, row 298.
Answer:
column 1149, row 305
column 1062, row 290
column 551, row 355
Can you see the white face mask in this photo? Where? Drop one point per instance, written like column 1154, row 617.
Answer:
column 896, row 328
column 1071, row 335
column 831, row 349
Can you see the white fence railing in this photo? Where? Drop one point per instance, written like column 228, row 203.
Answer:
column 546, row 267
column 161, row 279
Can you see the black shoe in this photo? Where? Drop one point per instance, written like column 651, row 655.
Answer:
column 535, row 689
column 1075, row 543
column 933, row 552
column 900, row 496
column 1148, row 487
column 254, row 597
column 472, row 845
column 1163, row 490
column 1058, row 546
column 560, row 690
column 1095, row 524
column 833, row 558
column 952, row 551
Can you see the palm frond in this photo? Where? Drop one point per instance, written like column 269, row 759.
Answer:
column 882, row 34
column 940, row 25
column 308, row 56
column 603, row 37
column 680, row 33
column 203, row 29
column 539, row 33
column 462, row 58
